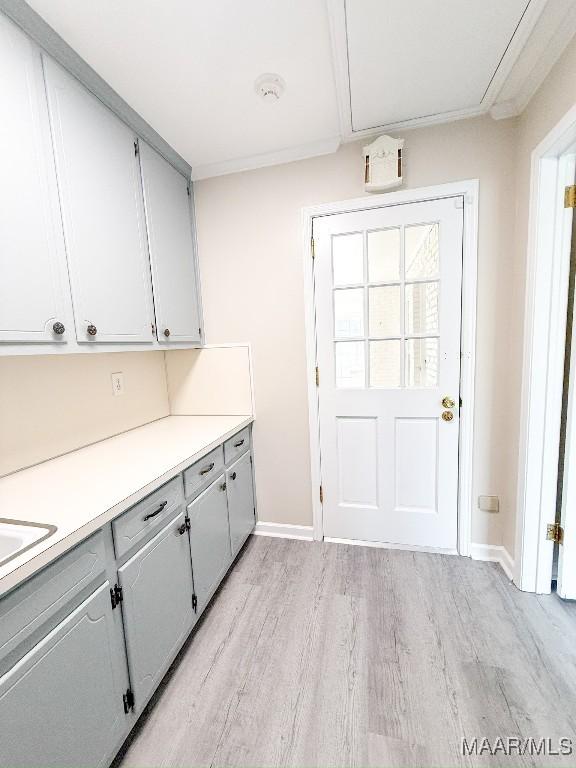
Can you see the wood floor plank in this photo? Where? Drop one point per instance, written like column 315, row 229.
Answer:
column 318, row 654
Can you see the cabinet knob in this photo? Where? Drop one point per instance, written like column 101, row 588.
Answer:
column 166, row 332
column 233, row 476
column 58, row 328
column 92, row 330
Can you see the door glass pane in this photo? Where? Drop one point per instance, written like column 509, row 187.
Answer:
column 422, row 362
column 349, row 312
column 384, row 310
column 349, row 364
column 384, row 255
column 385, row 363
column 421, row 251
column 348, row 259
column 421, row 307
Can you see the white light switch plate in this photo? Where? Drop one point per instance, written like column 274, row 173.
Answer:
column 118, row 383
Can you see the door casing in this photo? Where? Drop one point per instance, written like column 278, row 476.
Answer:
column 469, row 190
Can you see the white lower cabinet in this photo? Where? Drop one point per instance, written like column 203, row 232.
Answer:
column 61, row 704
column 241, row 512
column 209, row 540
column 156, row 605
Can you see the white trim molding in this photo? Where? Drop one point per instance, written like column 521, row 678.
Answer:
column 494, row 554
column 288, row 155
column 284, row 531
column 469, row 190
column 548, row 269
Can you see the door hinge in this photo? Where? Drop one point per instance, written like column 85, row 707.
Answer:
column 321, row 495
column 136, row 148
column 312, row 248
column 116, row 596
column 317, row 376
column 187, row 522
column 195, row 603
column 199, row 331
column 555, row 532
column 570, row 197
column 188, row 189
column 153, row 327
column 128, row 699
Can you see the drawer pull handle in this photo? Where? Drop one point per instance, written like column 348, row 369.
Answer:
column 239, row 443
column 233, row 476
column 156, row 512
column 207, row 469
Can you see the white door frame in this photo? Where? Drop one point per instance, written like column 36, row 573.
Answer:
column 548, row 268
column 469, row 190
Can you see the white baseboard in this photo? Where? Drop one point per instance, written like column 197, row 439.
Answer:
column 494, row 554
column 284, row 531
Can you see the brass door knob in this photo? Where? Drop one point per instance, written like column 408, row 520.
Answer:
column 447, row 402
column 447, row 415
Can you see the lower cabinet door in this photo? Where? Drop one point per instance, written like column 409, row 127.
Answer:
column 157, row 606
column 61, row 705
column 209, row 540
column 240, row 501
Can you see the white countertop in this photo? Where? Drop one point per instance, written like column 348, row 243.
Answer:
column 83, row 490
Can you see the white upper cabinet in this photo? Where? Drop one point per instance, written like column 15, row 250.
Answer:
column 33, row 277
column 103, row 214
column 170, row 238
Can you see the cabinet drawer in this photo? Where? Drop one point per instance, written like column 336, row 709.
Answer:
column 28, row 607
column 203, row 472
column 148, row 515
column 237, row 445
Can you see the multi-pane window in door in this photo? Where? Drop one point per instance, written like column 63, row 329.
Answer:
column 386, row 294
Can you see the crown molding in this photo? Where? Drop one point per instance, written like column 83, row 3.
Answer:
column 287, row 155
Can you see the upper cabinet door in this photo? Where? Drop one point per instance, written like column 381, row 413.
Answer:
column 166, row 197
column 103, row 214
column 33, row 278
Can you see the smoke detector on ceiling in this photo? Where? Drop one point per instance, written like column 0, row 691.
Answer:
column 269, row 87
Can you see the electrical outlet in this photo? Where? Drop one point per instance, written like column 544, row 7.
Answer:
column 489, row 503
column 118, row 383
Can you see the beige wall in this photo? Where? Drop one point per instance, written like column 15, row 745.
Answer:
column 52, row 404
column 249, row 233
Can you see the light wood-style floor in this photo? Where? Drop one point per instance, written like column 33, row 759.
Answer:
column 333, row 655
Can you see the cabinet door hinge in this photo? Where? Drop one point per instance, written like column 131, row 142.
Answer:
column 199, row 331
column 188, row 189
column 128, row 700
column 187, row 522
column 321, row 495
column 116, row 596
column 195, row 603
column 136, row 148
column 317, row 376
column 555, row 532
column 312, row 248
column 153, row 328
column 570, row 197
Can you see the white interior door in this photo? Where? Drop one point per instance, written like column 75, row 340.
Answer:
column 388, row 311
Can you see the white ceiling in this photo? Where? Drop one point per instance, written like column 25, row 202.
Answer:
column 351, row 67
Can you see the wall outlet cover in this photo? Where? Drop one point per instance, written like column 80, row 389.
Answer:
column 118, row 383
column 489, row 503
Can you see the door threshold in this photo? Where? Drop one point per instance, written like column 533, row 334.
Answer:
column 388, row 545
